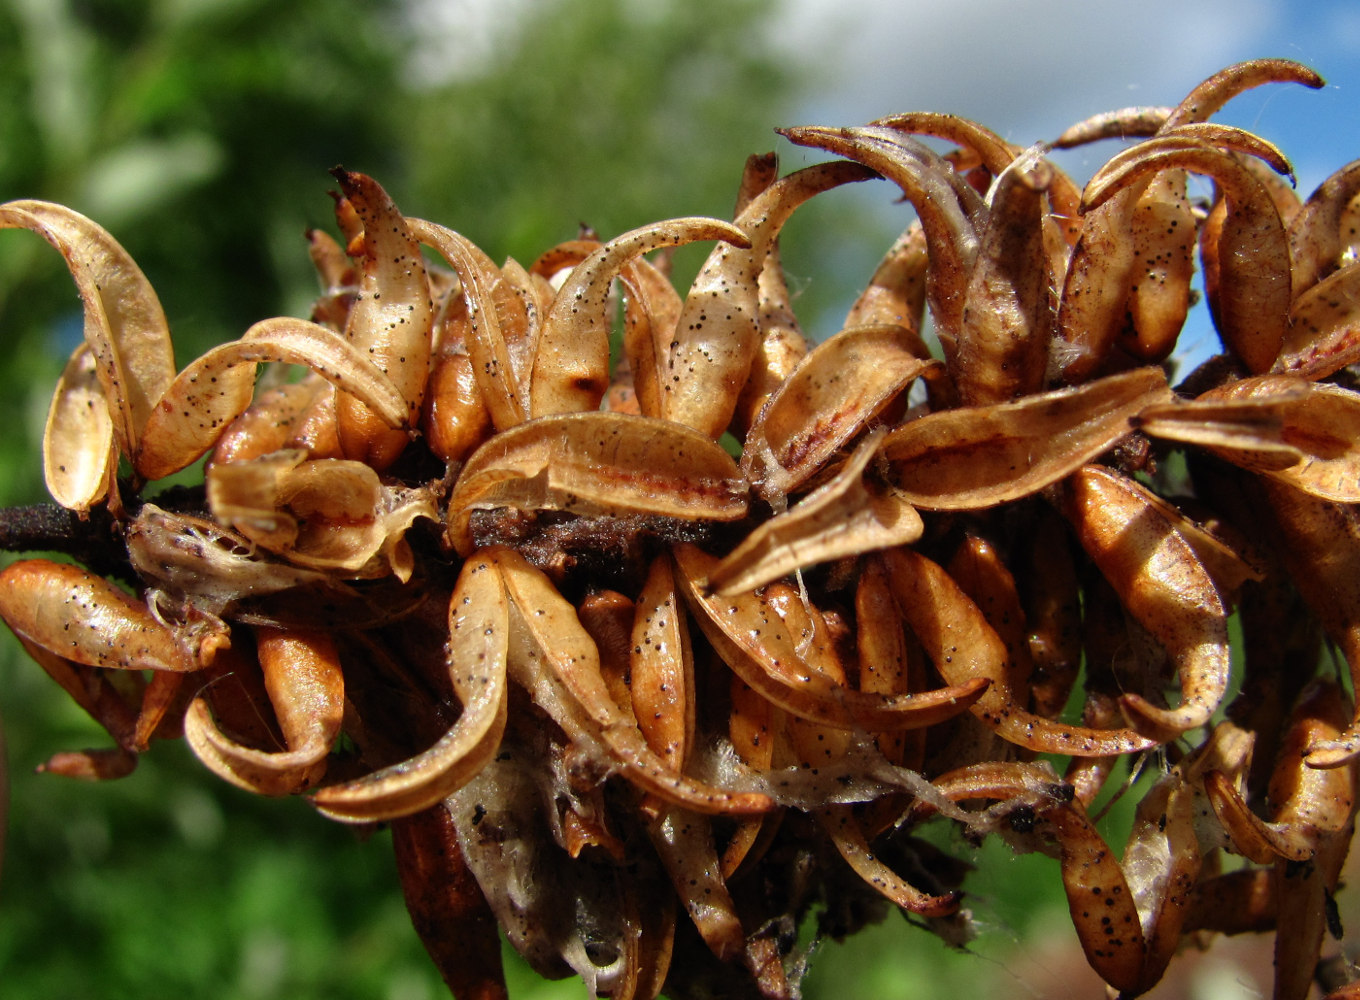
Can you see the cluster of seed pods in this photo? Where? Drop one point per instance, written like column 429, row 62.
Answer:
column 642, row 705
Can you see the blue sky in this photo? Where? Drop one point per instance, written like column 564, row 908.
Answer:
column 1029, row 68
column 1025, row 68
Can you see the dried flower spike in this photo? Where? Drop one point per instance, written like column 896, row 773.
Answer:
column 642, row 698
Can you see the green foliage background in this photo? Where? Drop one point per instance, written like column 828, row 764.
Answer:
column 199, row 133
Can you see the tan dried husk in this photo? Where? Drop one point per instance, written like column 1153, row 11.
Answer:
column 598, row 463
column 79, row 452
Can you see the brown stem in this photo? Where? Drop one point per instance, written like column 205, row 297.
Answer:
column 48, row 527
